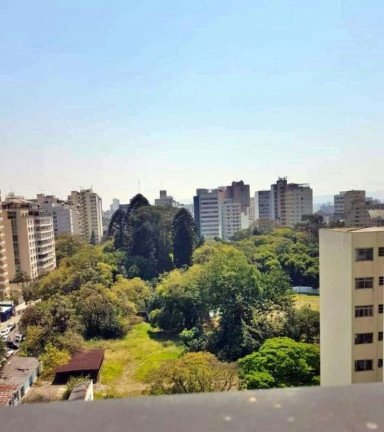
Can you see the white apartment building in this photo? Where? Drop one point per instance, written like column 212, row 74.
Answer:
column 207, row 213
column 290, row 202
column 66, row 216
column 351, row 305
column 231, row 218
column 91, row 213
column 29, row 238
column 4, row 277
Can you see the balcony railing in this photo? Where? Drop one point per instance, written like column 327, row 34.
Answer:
column 349, row 408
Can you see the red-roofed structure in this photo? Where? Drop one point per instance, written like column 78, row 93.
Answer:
column 85, row 364
column 7, row 393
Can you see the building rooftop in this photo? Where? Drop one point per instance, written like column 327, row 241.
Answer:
column 79, row 392
column 18, row 370
column 90, row 360
column 6, row 393
column 354, row 229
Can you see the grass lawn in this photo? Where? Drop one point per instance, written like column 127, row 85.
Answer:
column 128, row 360
column 308, row 299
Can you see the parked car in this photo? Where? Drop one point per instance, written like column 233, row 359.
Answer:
column 5, row 332
column 11, row 325
column 18, row 338
column 9, row 353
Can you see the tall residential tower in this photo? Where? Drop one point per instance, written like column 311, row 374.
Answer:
column 351, row 305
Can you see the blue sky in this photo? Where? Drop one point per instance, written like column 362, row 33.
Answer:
column 183, row 94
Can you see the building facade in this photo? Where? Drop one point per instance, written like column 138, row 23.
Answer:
column 263, row 204
column 290, row 202
column 91, row 214
column 356, row 210
column 351, row 304
column 239, row 192
column 207, row 210
column 164, row 200
column 66, row 216
column 344, row 201
column 231, row 219
column 29, row 238
column 4, row 275
column 115, row 205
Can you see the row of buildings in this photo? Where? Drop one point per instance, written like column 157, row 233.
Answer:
column 223, row 211
column 355, row 209
column 28, row 229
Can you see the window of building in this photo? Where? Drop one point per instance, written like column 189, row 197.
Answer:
column 381, row 308
column 363, row 365
column 363, row 338
column 380, row 363
column 381, row 280
column 381, row 251
column 361, row 283
column 380, row 336
column 364, row 254
column 363, row 311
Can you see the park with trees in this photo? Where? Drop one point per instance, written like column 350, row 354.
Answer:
column 176, row 313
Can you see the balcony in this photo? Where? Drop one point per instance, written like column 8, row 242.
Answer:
column 350, row 408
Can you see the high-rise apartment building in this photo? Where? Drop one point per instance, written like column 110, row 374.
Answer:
column 207, row 211
column 356, row 210
column 344, row 200
column 231, row 218
column 115, row 205
column 290, row 202
column 66, row 216
column 263, row 204
column 351, row 305
column 29, row 238
column 4, row 276
column 91, row 214
column 239, row 193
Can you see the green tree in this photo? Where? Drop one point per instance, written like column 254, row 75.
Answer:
column 21, row 277
column 35, row 340
column 99, row 315
column 150, row 241
column 29, row 292
column 303, row 325
column 184, row 238
column 137, row 201
column 67, row 245
column 281, row 362
column 52, row 358
column 193, row 373
column 133, row 290
column 183, row 300
column 118, row 229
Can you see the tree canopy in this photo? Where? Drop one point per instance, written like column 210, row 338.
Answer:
column 281, row 362
column 194, row 373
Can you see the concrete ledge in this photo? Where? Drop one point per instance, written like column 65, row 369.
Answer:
column 352, row 408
